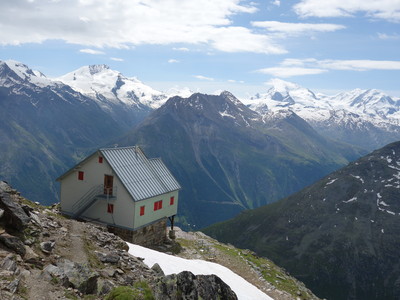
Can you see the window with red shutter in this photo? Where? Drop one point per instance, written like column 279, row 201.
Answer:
column 142, row 210
column 100, row 160
column 110, row 208
column 80, row 175
column 171, row 200
column 157, row 205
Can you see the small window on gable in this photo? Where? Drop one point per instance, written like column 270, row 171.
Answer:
column 172, row 200
column 142, row 210
column 80, row 175
column 100, row 159
column 110, row 208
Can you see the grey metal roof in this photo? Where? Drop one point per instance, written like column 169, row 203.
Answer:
column 142, row 177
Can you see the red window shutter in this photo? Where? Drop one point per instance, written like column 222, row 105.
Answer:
column 171, row 200
column 80, row 175
column 110, row 208
column 157, row 205
column 142, row 210
column 100, row 160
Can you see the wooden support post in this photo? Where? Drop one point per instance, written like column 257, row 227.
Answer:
column 171, row 220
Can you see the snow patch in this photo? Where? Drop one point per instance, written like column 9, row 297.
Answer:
column 358, row 177
column 350, row 200
column 172, row 265
column 332, row 181
column 225, row 114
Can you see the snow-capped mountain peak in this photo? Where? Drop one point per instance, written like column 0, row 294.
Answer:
column 364, row 112
column 104, row 84
column 25, row 74
column 93, row 69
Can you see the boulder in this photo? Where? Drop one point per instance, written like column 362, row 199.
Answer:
column 14, row 216
column 9, row 263
column 47, row 247
column 186, row 285
column 157, row 269
column 111, row 258
column 79, row 276
column 31, row 257
column 13, row 243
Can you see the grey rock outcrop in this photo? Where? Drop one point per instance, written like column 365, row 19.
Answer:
column 13, row 216
column 75, row 275
column 12, row 242
column 186, row 285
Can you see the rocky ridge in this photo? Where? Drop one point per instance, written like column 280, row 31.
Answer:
column 46, row 256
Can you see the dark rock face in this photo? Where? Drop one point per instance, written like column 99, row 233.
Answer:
column 12, row 242
column 186, row 285
column 340, row 236
column 14, row 216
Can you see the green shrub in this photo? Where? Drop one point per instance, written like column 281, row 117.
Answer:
column 139, row 291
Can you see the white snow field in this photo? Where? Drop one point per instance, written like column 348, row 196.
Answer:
column 172, row 265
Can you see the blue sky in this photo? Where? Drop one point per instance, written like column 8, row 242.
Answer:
column 207, row 45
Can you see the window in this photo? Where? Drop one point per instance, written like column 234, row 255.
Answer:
column 80, row 175
column 157, row 205
column 110, row 208
column 100, row 160
column 172, row 200
column 142, row 210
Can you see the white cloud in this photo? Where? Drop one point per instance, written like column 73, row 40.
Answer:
column 360, row 65
column 296, row 28
column 240, row 39
column 353, row 65
column 384, row 36
column 183, row 49
column 126, row 23
column 172, row 61
column 91, row 51
column 383, row 9
column 201, row 77
column 276, row 3
column 298, row 67
column 286, row 72
column 116, row 59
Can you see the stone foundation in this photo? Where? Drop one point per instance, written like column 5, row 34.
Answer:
column 150, row 235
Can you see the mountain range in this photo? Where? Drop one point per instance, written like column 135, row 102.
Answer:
column 339, row 235
column 229, row 156
column 365, row 118
column 45, row 126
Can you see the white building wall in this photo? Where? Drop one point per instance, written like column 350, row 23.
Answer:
column 150, row 215
column 123, row 209
column 73, row 189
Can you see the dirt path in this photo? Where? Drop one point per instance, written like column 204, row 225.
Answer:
column 69, row 244
column 74, row 244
